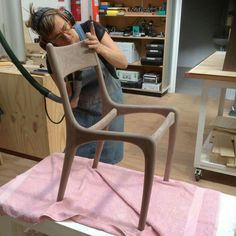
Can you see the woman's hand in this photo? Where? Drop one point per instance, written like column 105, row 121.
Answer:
column 107, row 48
column 92, row 41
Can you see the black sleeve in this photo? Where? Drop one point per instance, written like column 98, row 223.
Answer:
column 99, row 29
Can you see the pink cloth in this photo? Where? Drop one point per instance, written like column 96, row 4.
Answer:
column 108, row 198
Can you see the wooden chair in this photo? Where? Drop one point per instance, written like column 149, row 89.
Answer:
column 67, row 59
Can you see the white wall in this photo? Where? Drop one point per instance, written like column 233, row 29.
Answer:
column 1, row 28
column 172, row 42
column 12, row 27
column 85, row 9
column 200, row 20
column 41, row 3
column 6, row 12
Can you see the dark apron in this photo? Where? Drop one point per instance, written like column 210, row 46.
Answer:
column 88, row 112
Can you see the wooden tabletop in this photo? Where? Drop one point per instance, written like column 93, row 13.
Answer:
column 211, row 69
column 10, row 68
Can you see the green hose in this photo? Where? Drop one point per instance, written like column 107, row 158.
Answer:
column 44, row 91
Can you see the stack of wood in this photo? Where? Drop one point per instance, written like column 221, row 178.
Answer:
column 224, row 139
column 4, row 63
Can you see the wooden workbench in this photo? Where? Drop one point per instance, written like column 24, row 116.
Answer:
column 211, row 69
column 25, row 129
column 211, row 73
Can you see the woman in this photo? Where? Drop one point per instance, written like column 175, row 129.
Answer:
column 59, row 28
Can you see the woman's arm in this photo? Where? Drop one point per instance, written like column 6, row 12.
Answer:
column 107, row 48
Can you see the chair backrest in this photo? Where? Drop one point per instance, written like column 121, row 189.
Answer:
column 71, row 58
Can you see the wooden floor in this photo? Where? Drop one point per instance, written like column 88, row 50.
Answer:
column 182, row 167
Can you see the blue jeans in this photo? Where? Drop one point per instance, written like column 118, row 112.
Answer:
column 88, row 112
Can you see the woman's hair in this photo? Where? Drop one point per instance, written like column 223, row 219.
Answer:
column 42, row 20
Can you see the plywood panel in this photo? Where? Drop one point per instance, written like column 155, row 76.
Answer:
column 225, row 123
column 56, row 132
column 24, row 126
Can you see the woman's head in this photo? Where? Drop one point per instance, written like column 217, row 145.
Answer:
column 52, row 25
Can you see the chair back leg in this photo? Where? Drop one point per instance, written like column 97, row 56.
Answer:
column 171, row 145
column 99, row 148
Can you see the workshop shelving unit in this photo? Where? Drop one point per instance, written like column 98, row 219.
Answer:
column 135, row 18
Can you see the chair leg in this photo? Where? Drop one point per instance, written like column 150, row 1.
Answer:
column 99, row 148
column 171, row 144
column 68, row 159
column 147, row 186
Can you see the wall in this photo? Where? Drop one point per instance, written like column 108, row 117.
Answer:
column 171, row 43
column 85, row 9
column 1, row 28
column 55, row 3
column 11, row 26
column 41, row 3
column 200, row 20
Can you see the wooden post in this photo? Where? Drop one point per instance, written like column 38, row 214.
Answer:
column 230, row 57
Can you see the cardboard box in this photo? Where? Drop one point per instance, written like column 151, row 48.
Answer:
column 152, row 86
column 127, row 75
column 129, row 50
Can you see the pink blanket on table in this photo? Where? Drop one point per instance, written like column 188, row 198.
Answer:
column 108, row 198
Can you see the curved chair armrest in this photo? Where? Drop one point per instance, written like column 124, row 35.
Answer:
column 130, row 137
column 135, row 138
column 167, row 123
column 105, row 121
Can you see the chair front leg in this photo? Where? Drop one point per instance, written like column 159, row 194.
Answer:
column 68, row 159
column 149, row 155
